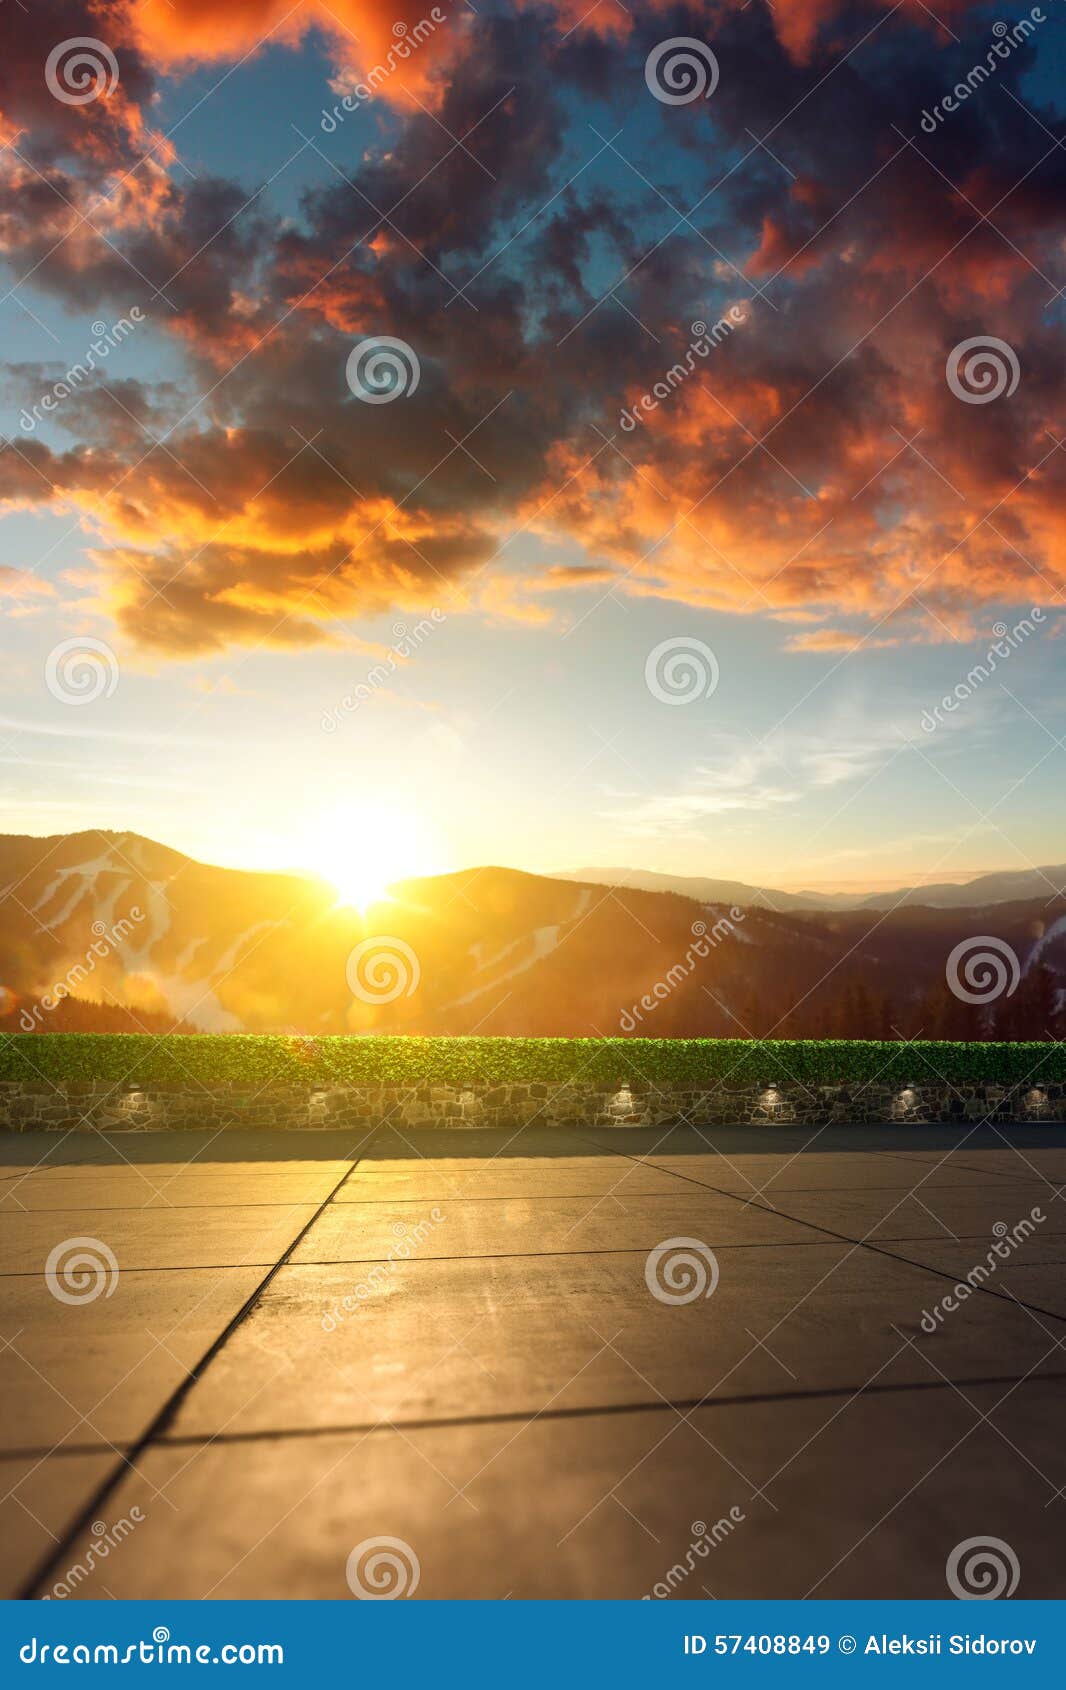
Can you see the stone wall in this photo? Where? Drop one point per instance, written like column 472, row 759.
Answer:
column 27, row 1106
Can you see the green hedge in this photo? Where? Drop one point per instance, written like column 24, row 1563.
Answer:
column 137, row 1058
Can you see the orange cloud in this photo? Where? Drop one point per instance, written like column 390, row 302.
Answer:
column 801, row 23
column 20, row 584
column 814, row 465
column 399, row 44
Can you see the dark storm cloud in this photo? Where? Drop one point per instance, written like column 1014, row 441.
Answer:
column 546, row 285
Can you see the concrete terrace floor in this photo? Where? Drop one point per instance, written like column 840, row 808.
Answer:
column 503, row 1392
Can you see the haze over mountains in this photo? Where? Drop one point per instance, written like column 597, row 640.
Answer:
column 996, row 888
column 111, row 931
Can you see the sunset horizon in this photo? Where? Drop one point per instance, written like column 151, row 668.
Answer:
column 388, row 844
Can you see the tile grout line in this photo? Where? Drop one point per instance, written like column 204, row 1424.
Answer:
column 994, row 1173
column 591, row 1411
column 864, row 1243
column 445, row 1423
column 364, row 1201
column 164, row 1416
column 155, row 1434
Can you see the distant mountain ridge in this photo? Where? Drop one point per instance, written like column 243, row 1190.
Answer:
column 999, row 887
column 111, row 931
column 709, row 890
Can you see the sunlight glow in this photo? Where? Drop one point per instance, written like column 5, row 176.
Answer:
column 361, row 848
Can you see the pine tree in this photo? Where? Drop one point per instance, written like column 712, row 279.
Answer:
column 1031, row 1012
column 887, row 1019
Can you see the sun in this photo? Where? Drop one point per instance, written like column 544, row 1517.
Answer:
column 361, row 848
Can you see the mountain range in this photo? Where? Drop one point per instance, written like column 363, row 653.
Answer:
column 997, row 888
column 109, row 930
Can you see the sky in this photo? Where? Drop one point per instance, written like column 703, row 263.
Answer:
column 536, row 434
